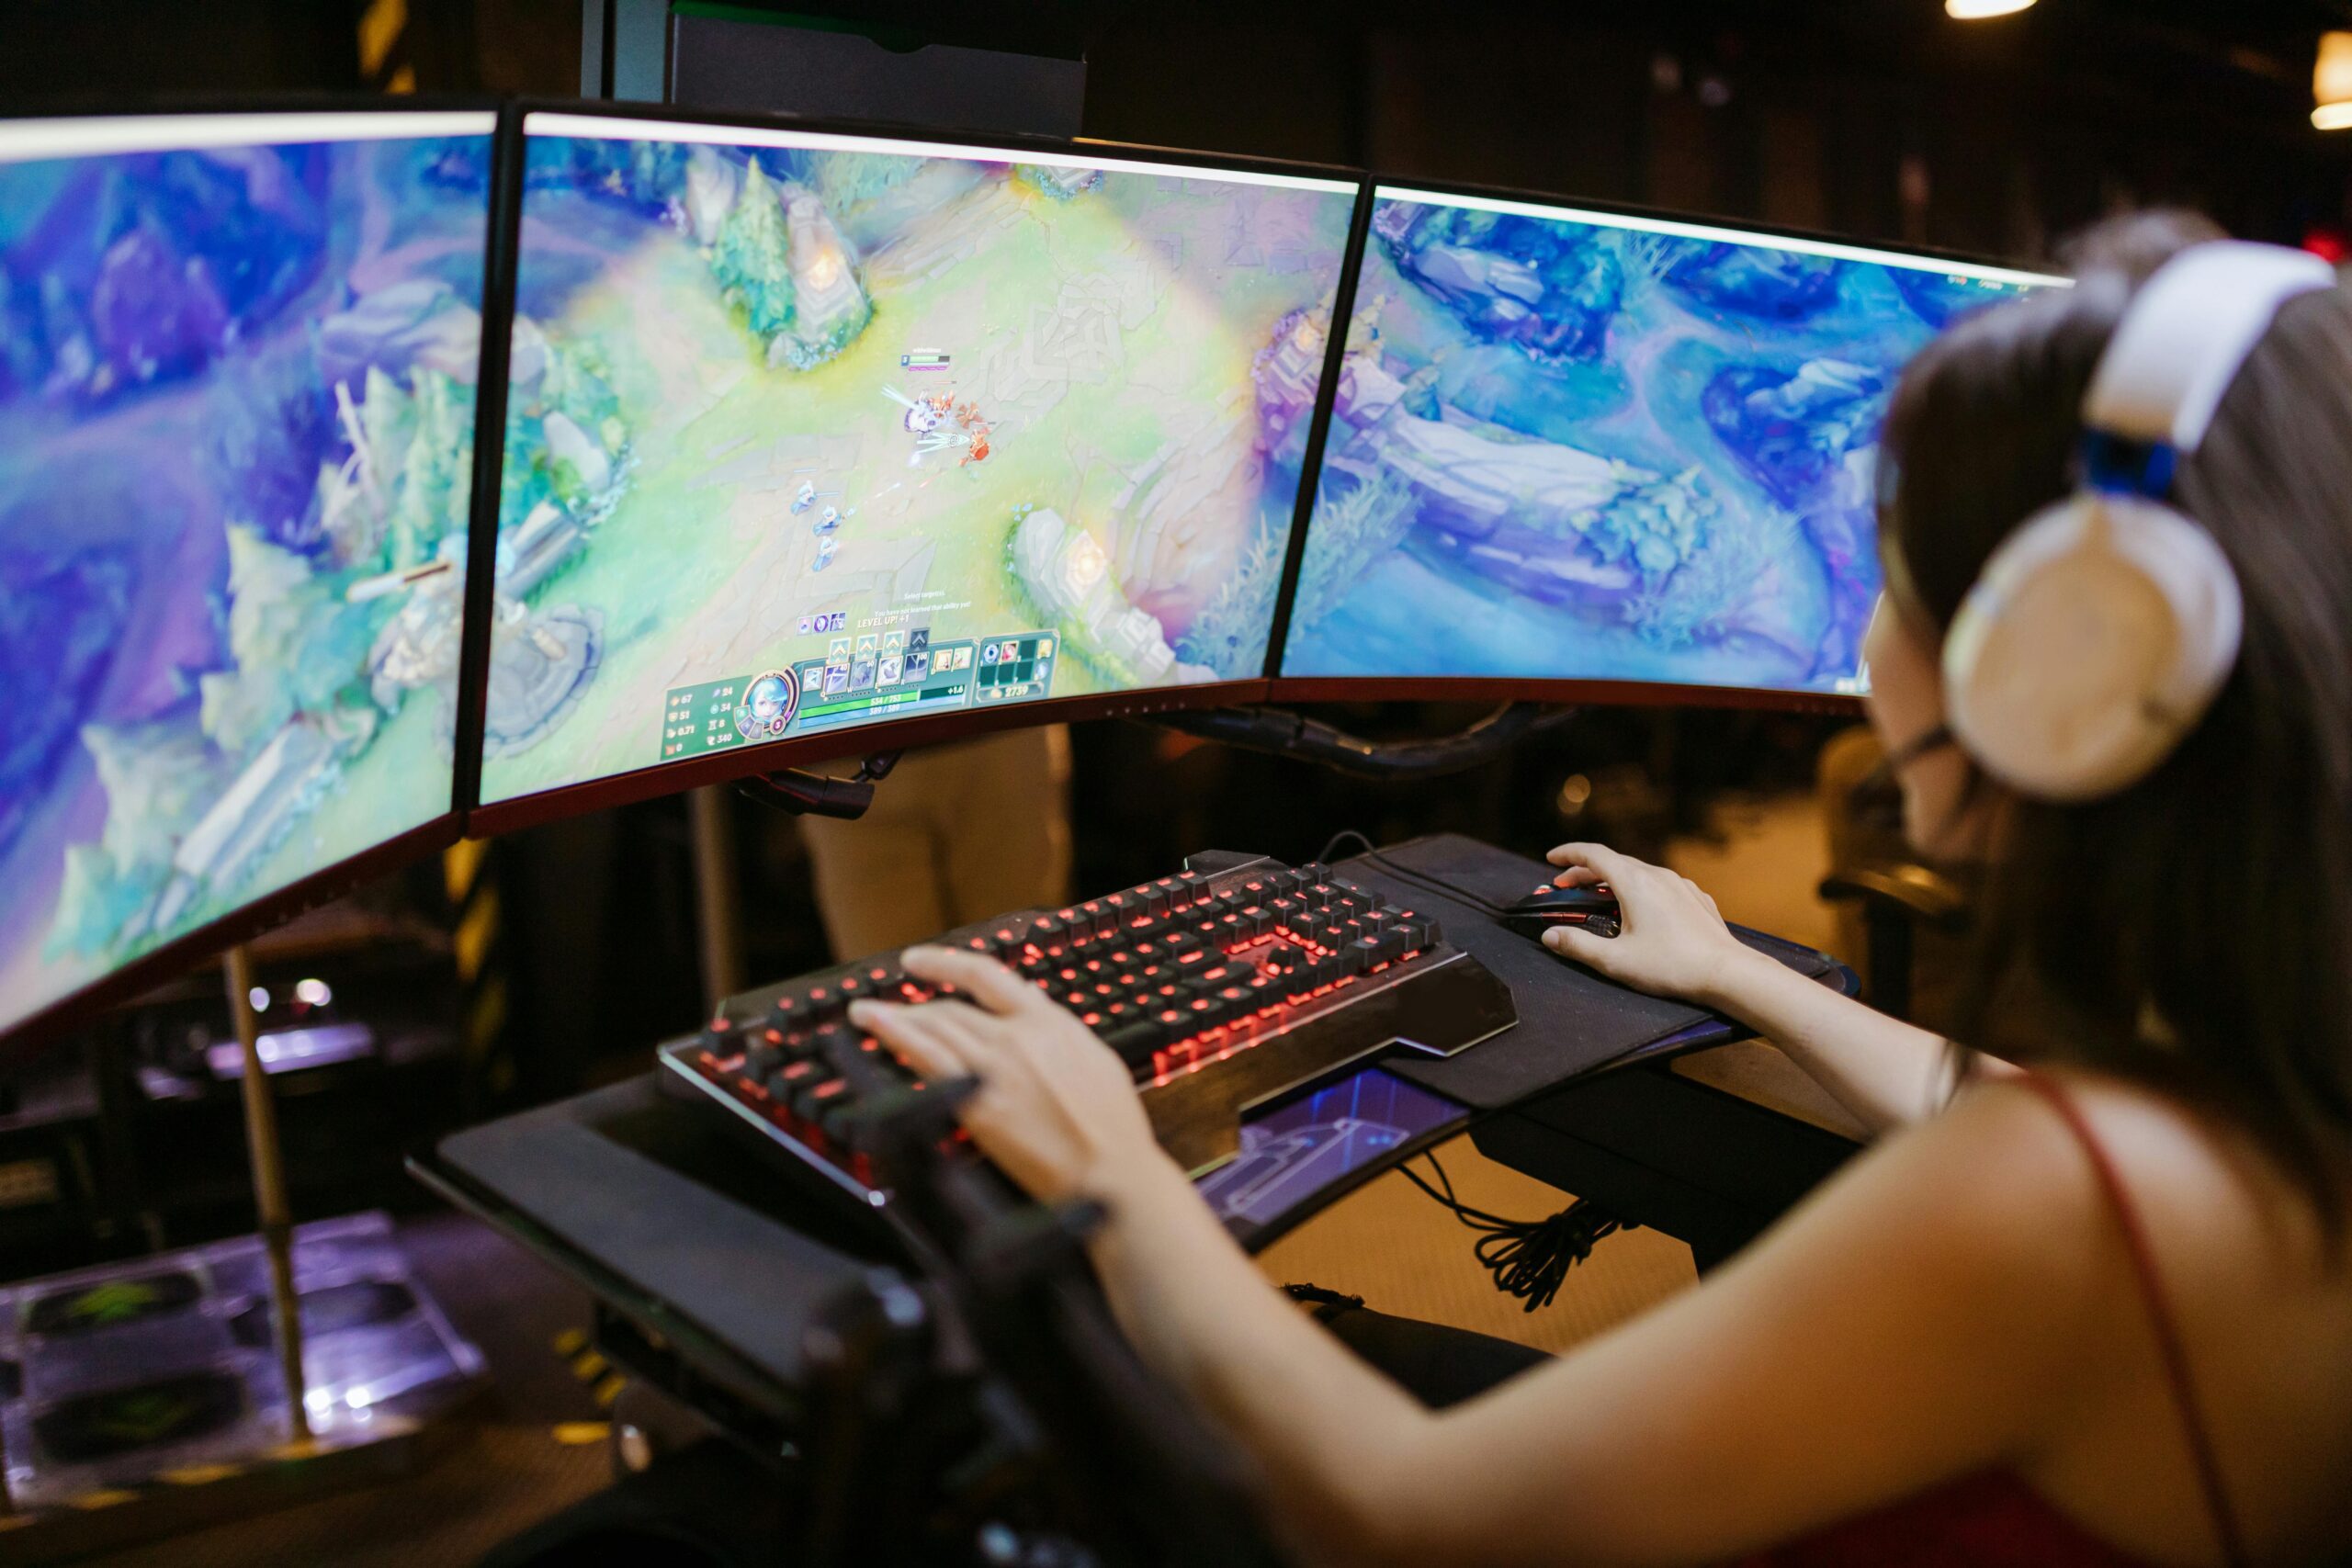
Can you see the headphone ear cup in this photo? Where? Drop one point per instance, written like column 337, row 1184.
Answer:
column 2095, row 638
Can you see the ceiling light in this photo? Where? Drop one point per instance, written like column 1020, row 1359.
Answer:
column 1978, row 10
column 2331, row 83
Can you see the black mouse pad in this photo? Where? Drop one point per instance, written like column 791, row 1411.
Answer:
column 1570, row 1020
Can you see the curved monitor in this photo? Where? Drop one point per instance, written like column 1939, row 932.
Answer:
column 822, row 441
column 1621, row 451
column 237, row 366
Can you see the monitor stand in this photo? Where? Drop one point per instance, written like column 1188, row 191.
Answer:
column 1282, row 732
column 804, row 793
column 1001, row 71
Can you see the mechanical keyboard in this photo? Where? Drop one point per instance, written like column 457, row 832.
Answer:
column 1230, row 983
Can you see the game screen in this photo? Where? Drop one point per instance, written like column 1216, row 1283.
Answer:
column 1574, row 445
column 807, row 432
column 237, row 364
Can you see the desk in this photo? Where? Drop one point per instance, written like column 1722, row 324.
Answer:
column 707, row 1265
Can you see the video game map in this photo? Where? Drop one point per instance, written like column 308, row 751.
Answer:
column 1568, row 446
column 236, row 428
column 803, row 437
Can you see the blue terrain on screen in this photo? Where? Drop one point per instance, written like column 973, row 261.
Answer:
column 236, row 417
column 1567, row 449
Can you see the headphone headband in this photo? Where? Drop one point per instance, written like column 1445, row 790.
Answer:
column 2187, row 333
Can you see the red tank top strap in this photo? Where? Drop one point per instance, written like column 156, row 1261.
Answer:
column 2160, row 1313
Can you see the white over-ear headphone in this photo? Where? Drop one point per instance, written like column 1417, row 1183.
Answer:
column 2102, row 628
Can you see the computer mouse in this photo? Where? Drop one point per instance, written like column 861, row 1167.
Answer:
column 1594, row 908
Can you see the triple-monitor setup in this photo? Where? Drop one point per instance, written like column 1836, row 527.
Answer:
column 372, row 477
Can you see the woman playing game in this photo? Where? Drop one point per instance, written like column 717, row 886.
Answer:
column 2097, row 1311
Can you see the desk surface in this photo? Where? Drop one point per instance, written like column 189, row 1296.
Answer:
column 697, row 1239
column 689, row 1235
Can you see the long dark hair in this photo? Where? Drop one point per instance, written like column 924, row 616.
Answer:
column 2193, row 933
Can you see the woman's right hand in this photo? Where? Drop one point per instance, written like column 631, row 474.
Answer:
column 1671, row 939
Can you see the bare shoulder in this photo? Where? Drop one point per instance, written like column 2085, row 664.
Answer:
column 2261, row 1305
column 2193, row 1179
column 2010, row 1192
column 2220, row 1217
column 1987, row 1239
column 1998, row 1209
column 2238, row 1247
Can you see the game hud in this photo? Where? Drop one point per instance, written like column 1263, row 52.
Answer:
column 1574, row 445
column 237, row 364
column 808, row 431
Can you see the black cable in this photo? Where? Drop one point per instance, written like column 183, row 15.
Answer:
column 1529, row 1258
column 1341, row 837
column 1429, row 883
column 1420, row 879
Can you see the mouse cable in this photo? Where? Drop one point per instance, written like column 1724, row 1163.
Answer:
column 1419, row 878
column 1529, row 1258
column 1341, row 837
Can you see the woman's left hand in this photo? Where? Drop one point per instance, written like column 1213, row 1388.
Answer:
column 1055, row 1108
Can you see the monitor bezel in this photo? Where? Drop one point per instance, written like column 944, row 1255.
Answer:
column 62, row 1014
column 486, row 818
column 1607, row 691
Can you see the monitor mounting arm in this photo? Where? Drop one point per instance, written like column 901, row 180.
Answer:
column 1276, row 732
column 1281, row 732
column 805, row 794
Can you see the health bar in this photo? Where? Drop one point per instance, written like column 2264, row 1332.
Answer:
column 923, row 361
column 879, row 700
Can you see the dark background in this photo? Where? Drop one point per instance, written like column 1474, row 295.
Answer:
column 1881, row 118
column 1877, row 118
